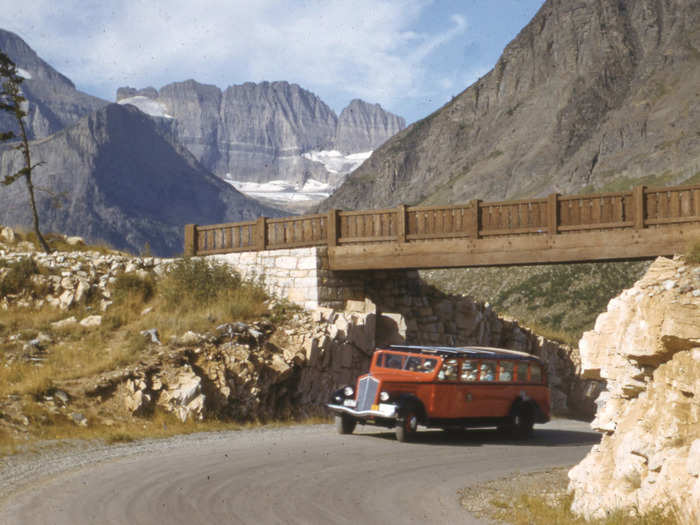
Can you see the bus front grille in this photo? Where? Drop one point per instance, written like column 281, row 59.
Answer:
column 366, row 393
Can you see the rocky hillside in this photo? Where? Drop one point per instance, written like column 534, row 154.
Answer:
column 115, row 176
column 54, row 102
column 559, row 301
column 591, row 95
column 265, row 131
column 647, row 348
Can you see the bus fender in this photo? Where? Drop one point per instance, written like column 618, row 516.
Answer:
column 405, row 402
column 523, row 400
column 520, row 402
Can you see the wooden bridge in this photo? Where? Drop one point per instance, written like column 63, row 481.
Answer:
column 644, row 222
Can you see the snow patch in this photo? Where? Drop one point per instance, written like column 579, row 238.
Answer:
column 147, row 105
column 282, row 190
column 336, row 162
column 23, row 73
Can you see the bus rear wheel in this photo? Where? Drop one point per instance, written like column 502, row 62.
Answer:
column 345, row 424
column 523, row 421
column 520, row 423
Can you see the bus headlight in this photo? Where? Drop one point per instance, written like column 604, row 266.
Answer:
column 384, row 396
column 348, row 391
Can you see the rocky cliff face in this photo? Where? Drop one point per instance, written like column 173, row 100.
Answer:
column 365, row 127
column 54, row 103
column 121, row 179
column 647, row 347
column 593, row 94
column 260, row 132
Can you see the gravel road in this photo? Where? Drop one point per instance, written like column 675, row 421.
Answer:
column 295, row 475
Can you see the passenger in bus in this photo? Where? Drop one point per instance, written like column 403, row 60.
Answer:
column 505, row 371
column 428, row 365
column 487, row 372
column 469, row 370
column 448, row 371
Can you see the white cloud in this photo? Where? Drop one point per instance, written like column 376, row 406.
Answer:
column 364, row 48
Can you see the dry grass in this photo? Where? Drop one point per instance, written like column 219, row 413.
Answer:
column 28, row 321
column 540, row 498
column 58, row 243
column 83, row 355
column 529, row 509
column 692, row 255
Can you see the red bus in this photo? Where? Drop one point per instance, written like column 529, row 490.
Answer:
column 446, row 387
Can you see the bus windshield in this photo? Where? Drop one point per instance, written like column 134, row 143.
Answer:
column 411, row 363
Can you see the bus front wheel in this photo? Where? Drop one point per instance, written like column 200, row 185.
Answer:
column 407, row 426
column 345, row 424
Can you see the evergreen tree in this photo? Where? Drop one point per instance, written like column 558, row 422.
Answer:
column 12, row 101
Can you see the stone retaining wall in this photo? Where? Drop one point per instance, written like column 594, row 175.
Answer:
column 291, row 274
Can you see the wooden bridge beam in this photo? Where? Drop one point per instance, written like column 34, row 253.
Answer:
column 525, row 249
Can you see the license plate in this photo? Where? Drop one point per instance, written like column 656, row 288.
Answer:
column 349, row 403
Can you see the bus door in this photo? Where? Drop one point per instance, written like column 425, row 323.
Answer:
column 471, row 399
column 482, row 392
column 445, row 398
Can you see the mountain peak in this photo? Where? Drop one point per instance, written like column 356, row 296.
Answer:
column 364, row 127
column 53, row 101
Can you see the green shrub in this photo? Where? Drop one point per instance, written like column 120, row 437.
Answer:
column 693, row 254
column 197, row 281
column 133, row 287
column 19, row 276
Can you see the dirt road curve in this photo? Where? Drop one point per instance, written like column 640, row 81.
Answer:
column 298, row 475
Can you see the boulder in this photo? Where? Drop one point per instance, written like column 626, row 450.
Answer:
column 91, row 321
column 75, row 240
column 183, row 396
column 7, row 235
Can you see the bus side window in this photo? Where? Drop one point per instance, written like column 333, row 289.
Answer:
column 505, row 371
column 488, row 371
column 380, row 360
column 470, row 370
column 535, row 373
column 521, row 371
column 448, row 372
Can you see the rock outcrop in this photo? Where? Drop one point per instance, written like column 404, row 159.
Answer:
column 72, row 279
column 647, row 348
column 120, row 178
column 260, row 131
column 53, row 101
column 609, row 88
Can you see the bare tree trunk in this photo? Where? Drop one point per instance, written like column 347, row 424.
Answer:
column 30, row 186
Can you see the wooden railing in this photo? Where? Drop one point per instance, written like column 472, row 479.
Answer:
column 640, row 208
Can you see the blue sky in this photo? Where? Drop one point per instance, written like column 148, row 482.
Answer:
column 411, row 56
